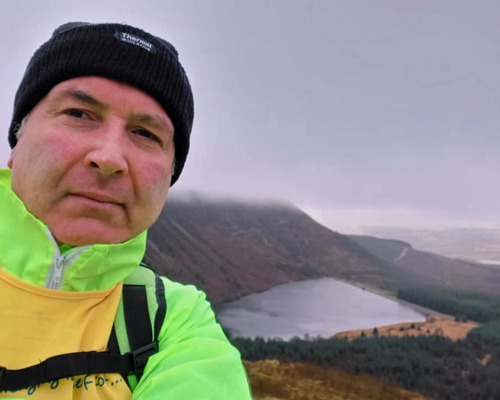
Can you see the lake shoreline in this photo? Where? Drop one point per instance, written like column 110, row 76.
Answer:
column 314, row 308
column 392, row 296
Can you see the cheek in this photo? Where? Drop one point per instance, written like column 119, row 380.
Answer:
column 159, row 190
column 63, row 147
column 42, row 152
column 155, row 181
column 38, row 164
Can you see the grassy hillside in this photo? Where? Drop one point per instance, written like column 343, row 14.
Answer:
column 232, row 249
column 386, row 249
column 275, row 380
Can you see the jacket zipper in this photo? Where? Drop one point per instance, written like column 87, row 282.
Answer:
column 57, row 273
column 60, row 263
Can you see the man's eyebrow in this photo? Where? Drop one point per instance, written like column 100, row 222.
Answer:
column 82, row 97
column 153, row 120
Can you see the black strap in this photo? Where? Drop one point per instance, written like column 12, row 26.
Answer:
column 162, row 306
column 113, row 346
column 137, row 321
column 73, row 364
column 137, row 318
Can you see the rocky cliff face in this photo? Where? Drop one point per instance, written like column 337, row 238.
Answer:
column 230, row 249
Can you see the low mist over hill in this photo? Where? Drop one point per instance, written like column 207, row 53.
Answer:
column 230, row 249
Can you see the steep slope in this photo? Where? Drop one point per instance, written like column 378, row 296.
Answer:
column 230, row 249
column 426, row 268
column 274, row 380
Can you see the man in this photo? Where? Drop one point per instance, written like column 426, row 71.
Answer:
column 100, row 131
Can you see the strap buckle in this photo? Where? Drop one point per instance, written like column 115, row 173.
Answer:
column 139, row 357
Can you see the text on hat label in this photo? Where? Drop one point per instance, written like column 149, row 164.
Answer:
column 137, row 41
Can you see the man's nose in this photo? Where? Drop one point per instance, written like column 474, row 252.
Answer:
column 108, row 153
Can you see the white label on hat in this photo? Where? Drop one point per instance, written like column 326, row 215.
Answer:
column 137, row 41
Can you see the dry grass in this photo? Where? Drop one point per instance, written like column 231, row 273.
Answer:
column 434, row 325
column 273, row 380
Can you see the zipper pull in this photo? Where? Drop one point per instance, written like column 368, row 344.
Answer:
column 58, row 270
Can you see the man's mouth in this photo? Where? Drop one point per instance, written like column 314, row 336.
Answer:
column 98, row 198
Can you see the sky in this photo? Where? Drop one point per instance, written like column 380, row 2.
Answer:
column 362, row 113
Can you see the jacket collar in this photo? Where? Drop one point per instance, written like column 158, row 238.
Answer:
column 29, row 252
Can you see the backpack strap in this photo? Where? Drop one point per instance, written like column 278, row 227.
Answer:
column 139, row 319
column 73, row 364
column 134, row 338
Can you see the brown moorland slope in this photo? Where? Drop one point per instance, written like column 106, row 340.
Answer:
column 232, row 249
column 274, row 380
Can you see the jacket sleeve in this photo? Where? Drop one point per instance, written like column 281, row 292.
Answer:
column 195, row 360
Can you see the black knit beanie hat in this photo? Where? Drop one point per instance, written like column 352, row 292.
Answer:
column 118, row 52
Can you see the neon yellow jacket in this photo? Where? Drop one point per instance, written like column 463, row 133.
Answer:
column 55, row 301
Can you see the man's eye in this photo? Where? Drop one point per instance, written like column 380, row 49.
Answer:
column 147, row 134
column 74, row 112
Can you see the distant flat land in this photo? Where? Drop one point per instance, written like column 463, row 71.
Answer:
column 477, row 244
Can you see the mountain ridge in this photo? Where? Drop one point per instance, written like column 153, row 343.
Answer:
column 233, row 248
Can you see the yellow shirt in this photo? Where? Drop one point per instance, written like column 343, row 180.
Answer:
column 44, row 322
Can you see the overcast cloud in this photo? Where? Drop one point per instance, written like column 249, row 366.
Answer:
column 361, row 112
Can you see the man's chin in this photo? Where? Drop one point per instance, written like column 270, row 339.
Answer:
column 87, row 236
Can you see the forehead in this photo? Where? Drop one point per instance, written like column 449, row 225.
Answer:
column 108, row 94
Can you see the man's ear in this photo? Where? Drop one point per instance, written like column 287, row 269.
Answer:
column 10, row 162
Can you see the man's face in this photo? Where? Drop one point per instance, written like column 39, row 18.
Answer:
column 94, row 161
